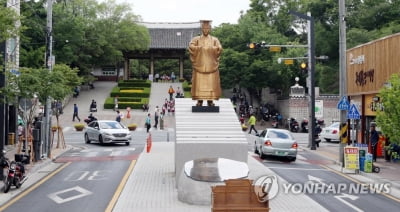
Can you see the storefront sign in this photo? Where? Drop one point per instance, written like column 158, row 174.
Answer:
column 357, row 60
column 376, row 106
column 351, row 158
column 362, row 77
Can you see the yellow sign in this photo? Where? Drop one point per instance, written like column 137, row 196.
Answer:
column 274, row 48
column 289, row 62
column 351, row 158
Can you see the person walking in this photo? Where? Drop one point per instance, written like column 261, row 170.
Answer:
column 374, row 138
column 75, row 113
column 156, row 116
column 252, row 123
column 162, row 120
column 148, row 122
column 119, row 116
column 171, row 92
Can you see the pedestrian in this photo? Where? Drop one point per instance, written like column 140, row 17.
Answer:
column 119, row 116
column 20, row 131
column 252, row 123
column 156, row 77
column 148, row 122
column 173, row 77
column 116, row 103
column 178, row 93
column 162, row 120
column 171, row 92
column 374, row 138
column 156, row 116
column 59, row 107
column 75, row 113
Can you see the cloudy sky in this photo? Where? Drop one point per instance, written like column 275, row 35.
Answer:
column 219, row 11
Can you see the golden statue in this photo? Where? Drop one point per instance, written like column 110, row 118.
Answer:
column 205, row 51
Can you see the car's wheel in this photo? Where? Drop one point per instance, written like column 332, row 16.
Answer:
column 87, row 140
column 292, row 159
column 100, row 139
column 327, row 140
column 127, row 143
column 262, row 155
column 255, row 149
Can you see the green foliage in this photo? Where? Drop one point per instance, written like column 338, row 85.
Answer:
column 138, row 83
column 8, row 19
column 123, row 104
column 389, row 119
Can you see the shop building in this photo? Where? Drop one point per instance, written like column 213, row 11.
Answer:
column 369, row 67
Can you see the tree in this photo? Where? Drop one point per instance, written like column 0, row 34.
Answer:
column 8, row 20
column 388, row 119
column 39, row 84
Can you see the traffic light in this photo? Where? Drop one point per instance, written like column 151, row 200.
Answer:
column 254, row 45
column 304, row 67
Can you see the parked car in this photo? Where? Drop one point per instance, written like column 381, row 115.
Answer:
column 332, row 133
column 276, row 142
column 106, row 131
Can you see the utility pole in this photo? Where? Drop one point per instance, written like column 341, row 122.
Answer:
column 49, row 65
column 342, row 71
column 311, row 73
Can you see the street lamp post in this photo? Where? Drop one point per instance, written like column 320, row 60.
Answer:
column 311, row 70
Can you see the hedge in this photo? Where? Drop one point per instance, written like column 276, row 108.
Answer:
column 134, row 84
column 124, row 102
column 116, row 91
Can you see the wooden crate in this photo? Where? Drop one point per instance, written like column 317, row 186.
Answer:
column 236, row 195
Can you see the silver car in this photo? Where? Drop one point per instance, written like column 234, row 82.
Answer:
column 106, row 131
column 276, row 142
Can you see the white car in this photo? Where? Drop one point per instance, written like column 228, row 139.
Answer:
column 276, row 142
column 332, row 133
column 106, row 131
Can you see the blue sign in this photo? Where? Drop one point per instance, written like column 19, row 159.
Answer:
column 343, row 104
column 353, row 112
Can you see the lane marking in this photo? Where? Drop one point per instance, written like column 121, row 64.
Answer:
column 120, row 187
column 359, row 182
column 83, row 192
column 294, row 168
column 33, row 187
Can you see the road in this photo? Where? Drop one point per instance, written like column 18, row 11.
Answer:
column 92, row 174
column 331, row 189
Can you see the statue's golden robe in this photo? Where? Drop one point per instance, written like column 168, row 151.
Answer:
column 204, row 55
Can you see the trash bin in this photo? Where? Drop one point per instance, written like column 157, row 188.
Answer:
column 362, row 153
column 362, row 161
column 368, row 166
column 11, row 138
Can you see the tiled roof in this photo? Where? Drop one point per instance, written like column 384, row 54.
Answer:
column 172, row 35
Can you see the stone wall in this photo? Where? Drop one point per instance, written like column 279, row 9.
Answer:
column 297, row 107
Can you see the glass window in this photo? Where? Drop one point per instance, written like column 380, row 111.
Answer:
column 278, row 134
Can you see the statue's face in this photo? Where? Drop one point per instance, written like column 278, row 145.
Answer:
column 206, row 29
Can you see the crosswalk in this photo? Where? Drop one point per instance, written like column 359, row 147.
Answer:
column 100, row 152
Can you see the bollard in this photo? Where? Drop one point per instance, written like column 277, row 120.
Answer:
column 149, row 141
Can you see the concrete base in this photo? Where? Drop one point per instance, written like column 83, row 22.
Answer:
column 194, row 192
column 207, row 135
